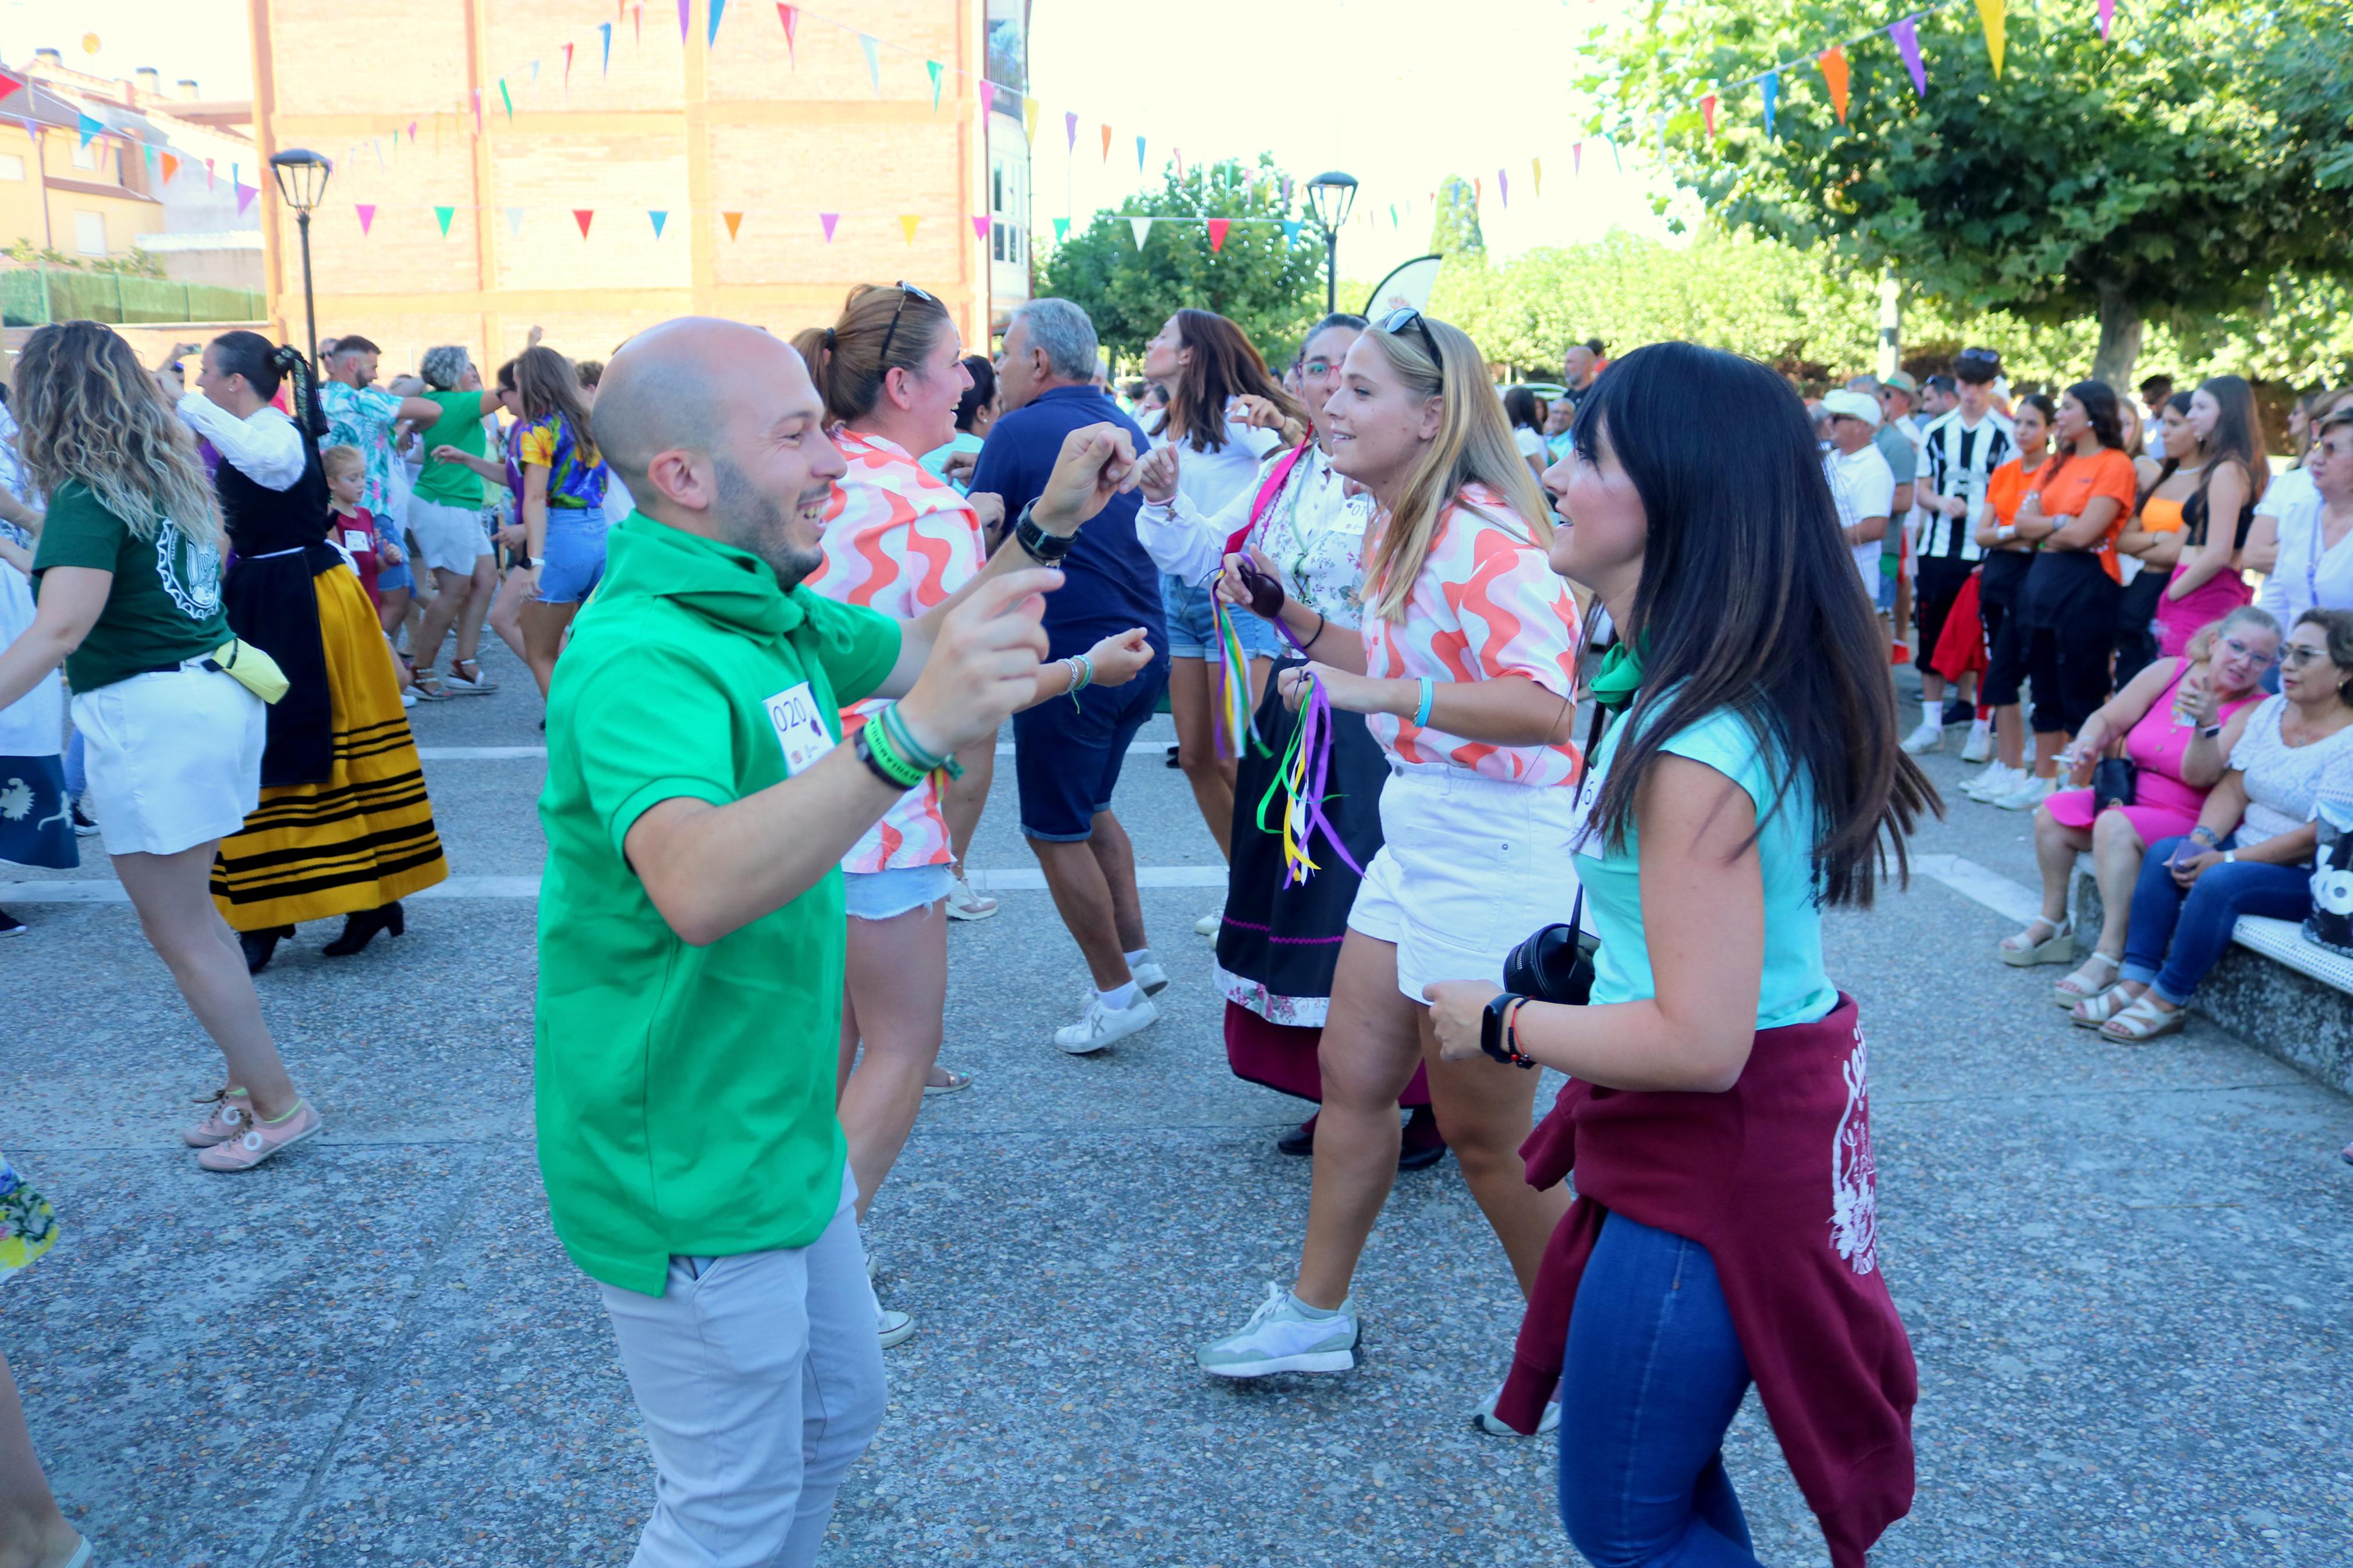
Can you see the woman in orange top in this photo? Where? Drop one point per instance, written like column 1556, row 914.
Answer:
column 2075, row 508
column 2000, row 582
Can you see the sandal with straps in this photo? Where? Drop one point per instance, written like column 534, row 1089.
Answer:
column 2097, row 973
column 2143, row 1022
column 2059, row 947
column 2094, row 1011
column 426, row 685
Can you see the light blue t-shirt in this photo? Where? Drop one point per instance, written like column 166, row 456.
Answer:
column 1795, row 988
column 935, row 461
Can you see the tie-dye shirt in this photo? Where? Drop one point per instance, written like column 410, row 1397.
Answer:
column 1486, row 606
column 898, row 540
column 573, row 483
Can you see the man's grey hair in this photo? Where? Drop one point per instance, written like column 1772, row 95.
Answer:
column 1867, row 384
column 1062, row 330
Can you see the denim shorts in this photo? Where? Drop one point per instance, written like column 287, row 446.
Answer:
column 883, row 895
column 573, row 560
column 1192, row 626
column 391, row 579
column 1067, row 755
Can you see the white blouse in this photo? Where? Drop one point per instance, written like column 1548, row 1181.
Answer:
column 264, row 447
column 1209, row 482
column 1314, row 531
column 2283, row 781
column 2304, row 575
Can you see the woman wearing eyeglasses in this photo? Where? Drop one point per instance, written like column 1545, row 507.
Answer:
column 2250, row 853
column 2167, row 709
column 1465, row 669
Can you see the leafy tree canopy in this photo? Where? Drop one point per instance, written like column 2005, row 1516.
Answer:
column 1270, row 285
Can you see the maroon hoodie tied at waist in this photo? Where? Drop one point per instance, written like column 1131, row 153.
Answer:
column 1775, row 1178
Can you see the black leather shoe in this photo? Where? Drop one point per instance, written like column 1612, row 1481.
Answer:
column 1300, row 1140
column 259, row 945
column 1422, row 1147
column 359, row 930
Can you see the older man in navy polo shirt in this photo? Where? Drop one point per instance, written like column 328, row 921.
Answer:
column 1066, row 757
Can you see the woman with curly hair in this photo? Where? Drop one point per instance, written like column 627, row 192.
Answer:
column 128, row 577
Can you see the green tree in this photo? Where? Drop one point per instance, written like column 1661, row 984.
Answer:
column 2184, row 170
column 1455, row 230
column 1264, row 280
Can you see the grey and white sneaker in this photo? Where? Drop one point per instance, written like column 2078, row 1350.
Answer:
column 1926, row 738
column 893, row 1328
column 1994, row 781
column 1149, row 977
column 1979, row 747
column 964, row 904
column 1101, row 1026
column 1488, row 1422
column 1280, row 1337
column 1210, row 924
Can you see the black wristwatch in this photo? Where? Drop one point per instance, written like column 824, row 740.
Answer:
column 1044, row 548
column 1495, row 1038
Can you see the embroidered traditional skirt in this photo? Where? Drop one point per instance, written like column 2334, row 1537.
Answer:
column 365, row 836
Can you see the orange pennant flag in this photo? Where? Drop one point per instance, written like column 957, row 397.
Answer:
column 1833, row 64
column 171, row 165
column 1707, row 111
column 734, row 222
column 907, row 222
column 1106, row 141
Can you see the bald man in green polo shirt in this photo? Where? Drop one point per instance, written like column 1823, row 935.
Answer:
column 699, row 801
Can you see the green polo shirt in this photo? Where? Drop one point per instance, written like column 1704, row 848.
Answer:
column 685, row 1094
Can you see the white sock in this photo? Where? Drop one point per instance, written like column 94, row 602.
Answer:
column 1980, row 727
column 1308, row 1311
column 1140, row 956
column 1120, row 998
column 1932, row 711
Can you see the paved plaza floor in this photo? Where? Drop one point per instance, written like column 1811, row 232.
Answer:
column 2125, row 1272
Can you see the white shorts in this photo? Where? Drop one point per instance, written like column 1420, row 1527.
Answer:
column 174, row 759
column 1469, row 865
column 447, row 538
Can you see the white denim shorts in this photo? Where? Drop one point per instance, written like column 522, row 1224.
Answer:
column 1469, row 865
column 447, row 538
column 174, row 758
column 884, row 895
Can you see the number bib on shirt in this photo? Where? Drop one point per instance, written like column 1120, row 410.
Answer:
column 800, row 728
column 358, row 540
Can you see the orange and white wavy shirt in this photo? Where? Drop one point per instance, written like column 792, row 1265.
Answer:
column 899, row 542
column 1487, row 605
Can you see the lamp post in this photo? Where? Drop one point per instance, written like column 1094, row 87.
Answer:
column 1332, row 195
column 301, row 178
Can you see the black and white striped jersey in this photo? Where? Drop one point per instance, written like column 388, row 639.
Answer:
column 1956, row 459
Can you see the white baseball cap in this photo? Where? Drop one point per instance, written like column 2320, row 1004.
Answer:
column 1854, row 404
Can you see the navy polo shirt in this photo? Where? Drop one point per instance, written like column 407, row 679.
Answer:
column 1109, row 584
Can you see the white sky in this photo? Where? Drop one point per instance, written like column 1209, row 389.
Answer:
column 1383, row 90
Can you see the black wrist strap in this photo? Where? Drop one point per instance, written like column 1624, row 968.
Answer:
column 1044, row 548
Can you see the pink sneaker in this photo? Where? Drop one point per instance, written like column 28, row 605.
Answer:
column 261, row 1140
column 230, row 1113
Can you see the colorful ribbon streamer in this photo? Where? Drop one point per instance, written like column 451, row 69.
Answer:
column 1236, row 723
column 1303, row 778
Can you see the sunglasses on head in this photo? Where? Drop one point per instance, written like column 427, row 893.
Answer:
column 906, row 291
column 1397, row 320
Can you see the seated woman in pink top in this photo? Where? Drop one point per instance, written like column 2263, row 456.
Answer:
column 2158, row 716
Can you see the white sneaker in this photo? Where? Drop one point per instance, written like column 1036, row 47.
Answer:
column 1102, row 1025
column 964, row 904
column 1209, row 924
column 1926, row 738
column 1994, row 781
column 1279, row 1337
column 893, row 1328
column 2025, row 796
column 1488, row 1422
column 1149, row 977
column 408, row 697
column 1979, row 747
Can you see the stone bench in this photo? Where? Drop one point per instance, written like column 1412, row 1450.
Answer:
column 2282, row 994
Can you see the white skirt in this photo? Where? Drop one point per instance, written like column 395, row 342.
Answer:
column 174, row 758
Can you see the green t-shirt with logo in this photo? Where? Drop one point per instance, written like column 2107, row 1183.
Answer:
column 460, row 426
column 166, row 602
column 685, row 1095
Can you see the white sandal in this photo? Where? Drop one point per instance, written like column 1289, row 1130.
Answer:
column 2059, row 947
column 2143, row 1022
column 2094, row 1011
column 2081, row 986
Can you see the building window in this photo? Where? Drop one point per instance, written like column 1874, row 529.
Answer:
column 12, row 167
column 86, row 155
column 89, row 233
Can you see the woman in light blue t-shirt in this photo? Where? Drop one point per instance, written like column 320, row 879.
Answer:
column 1751, row 776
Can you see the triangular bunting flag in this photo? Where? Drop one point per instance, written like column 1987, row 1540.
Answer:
column 372, row 141
column 1833, row 64
column 1770, row 86
column 1142, row 228
column 718, row 9
column 1576, row 159
column 1535, row 167
column 442, row 217
column 1291, row 227
column 605, row 30
column 980, row 227
column 1906, row 35
column 505, row 97
column 828, row 220
column 90, row 127
column 1178, row 153
column 9, row 84
column 683, row 6
column 907, row 222
column 1615, row 161
column 873, row 48
column 151, row 158
column 171, row 165
column 245, row 195
column 367, row 216
column 1478, row 194
column 514, row 221
column 1071, row 129
column 1503, row 186
column 660, row 216
column 1139, row 154
column 1106, row 141
column 1061, row 229
column 412, row 133
column 734, row 221
column 933, row 67
column 637, row 22
column 1218, row 227
column 987, row 90
column 478, row 111
column 583, row 216
column 209, row 174
column 1990, row 14
column 790, row 16
column 534, row 73
column 1030, row 118
column 2107, row 20
column 1393, row 217
column 1708, row 113
column 567, row 67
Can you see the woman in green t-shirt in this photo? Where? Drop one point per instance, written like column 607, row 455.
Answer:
column 128, row 577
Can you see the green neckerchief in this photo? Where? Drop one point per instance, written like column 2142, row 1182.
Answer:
column 1619, row 677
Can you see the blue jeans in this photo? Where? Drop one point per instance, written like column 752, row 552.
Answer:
column 77, row 770
column 573, row 557
column 2176, row 936
column 1654, row 1375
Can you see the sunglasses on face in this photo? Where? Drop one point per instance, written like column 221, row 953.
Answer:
column 906, row 291
column 2295, row 656
column 1396, row 321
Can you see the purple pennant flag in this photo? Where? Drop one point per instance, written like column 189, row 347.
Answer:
column 1071, row 128
column 2107, row 17
column 245, row 195
column 980, row 227
column 1502, row 187
column 829, row 219
column 682, row 6
column 1906, row 35
column 987, row 90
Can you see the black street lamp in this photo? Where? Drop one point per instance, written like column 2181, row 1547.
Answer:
column 1332, row 195
column 302, row 179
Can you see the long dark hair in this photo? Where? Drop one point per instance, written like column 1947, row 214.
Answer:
column 265, row 366
column 1522, row 408
column 2238, row 438
column 2179, row 404
column 1748, row 601
column 978, row 394
column 1224, row 366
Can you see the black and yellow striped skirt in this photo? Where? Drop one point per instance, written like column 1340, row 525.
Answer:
column 363, row 838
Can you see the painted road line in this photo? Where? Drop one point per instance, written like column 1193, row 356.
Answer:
column 105, row 891
column 1979, row 885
